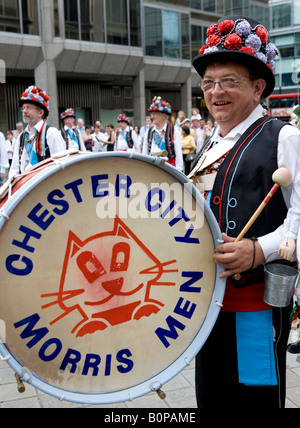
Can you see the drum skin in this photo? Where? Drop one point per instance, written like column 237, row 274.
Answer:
column 108, row 285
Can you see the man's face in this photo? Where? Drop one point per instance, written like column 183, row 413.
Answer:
column 31, row 114
column 230, row 107
column 123, row 125
column 70, row 122
column 158, row 119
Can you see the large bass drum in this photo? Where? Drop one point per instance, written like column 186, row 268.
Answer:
column 108, row 284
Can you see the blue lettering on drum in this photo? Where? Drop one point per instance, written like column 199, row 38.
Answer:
column 71, row 360
column 42, row 218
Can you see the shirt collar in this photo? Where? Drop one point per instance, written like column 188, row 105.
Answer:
column 238, row 130
column 36, row 128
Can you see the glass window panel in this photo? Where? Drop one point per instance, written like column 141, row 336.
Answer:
column 281, row 16
column 56, row 19
column 92, row 20
column 185, row 36
column 71, row 19
column 30, row 17
column 9, row 16
column 209, row 5
column 171, row 34
column 196, row 4
column 197, row 39
column 153, row 32
column 296, row 12
column 117, row 22
column 287, row 52
column 135, row 23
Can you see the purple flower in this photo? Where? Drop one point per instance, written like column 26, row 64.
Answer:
column 254, row 42
column 261, row 56
column 243, row 28
column 271, row 51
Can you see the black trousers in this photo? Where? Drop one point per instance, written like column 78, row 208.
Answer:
column 217, row 381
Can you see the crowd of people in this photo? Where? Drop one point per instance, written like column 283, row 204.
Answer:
column 76, row 135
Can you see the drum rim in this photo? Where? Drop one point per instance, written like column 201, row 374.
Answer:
column 157, row 381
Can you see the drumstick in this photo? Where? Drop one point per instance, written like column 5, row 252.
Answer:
column 162, row 154
column 281, row 177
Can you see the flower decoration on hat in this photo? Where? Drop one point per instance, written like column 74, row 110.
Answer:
column 34, row 95
column 123, row 118
column 67, row 113
column 161, row 106
column 239, row 35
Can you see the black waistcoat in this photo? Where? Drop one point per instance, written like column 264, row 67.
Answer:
column 245, row 178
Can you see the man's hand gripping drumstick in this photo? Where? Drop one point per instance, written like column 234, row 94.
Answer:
column 237, row 255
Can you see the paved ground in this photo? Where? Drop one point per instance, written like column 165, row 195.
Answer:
column 180, row 392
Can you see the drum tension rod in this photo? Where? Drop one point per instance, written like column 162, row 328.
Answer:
column 20, row 384
column 162, row 395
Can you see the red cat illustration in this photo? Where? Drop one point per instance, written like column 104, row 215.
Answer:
column 102, row 280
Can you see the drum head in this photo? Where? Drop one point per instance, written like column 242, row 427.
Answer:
column 108, row 284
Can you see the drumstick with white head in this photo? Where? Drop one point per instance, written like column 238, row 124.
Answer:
column 282, row 177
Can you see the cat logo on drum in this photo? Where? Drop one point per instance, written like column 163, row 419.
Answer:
column 103, row 282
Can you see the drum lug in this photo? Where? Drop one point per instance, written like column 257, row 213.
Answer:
column 162, row 395
column 20, row 384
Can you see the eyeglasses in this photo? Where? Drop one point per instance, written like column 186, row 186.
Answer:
column 29, row 108
column 225, row 83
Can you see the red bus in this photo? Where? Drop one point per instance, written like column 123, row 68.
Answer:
column 282, row 105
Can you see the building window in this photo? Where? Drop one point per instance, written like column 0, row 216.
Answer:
column 171, row 34
column 135, row 23
column 14, row 20
column 281, row 16
column 198, row 37
column 92, row 21
column 30, row 17
column 117, row 22
column 167, row 33
column 153, row 31
column 71, row 19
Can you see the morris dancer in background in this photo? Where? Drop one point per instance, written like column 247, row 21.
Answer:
column 163, row 136
column 39, row 141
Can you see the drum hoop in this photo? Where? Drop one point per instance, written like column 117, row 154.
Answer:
column 157, row 381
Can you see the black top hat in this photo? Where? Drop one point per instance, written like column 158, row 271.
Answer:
column 241, row 40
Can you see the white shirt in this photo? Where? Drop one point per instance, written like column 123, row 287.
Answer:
column 121, row 143
column 155, row 148
column 4, row 165
column 73, row 141
column 98, row 142
column 55, row 142
column 288, row 156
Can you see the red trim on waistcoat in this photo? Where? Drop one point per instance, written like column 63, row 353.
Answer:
column 227, row 172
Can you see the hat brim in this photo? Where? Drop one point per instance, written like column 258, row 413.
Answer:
column 37, row 104
column 253, row 64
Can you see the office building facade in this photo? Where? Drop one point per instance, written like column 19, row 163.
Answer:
column 103, row 57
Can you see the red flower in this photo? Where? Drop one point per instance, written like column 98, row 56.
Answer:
column 24, row 95
column 233, row 42
column 225, row 27
column 33, row 99
column 211, row 30
column 47, row 98
column 35, row 91
column 201, row 51
column 247, row 50
column 262, row 34
column 213, row 40
column 163, row 103
column 155, row 108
